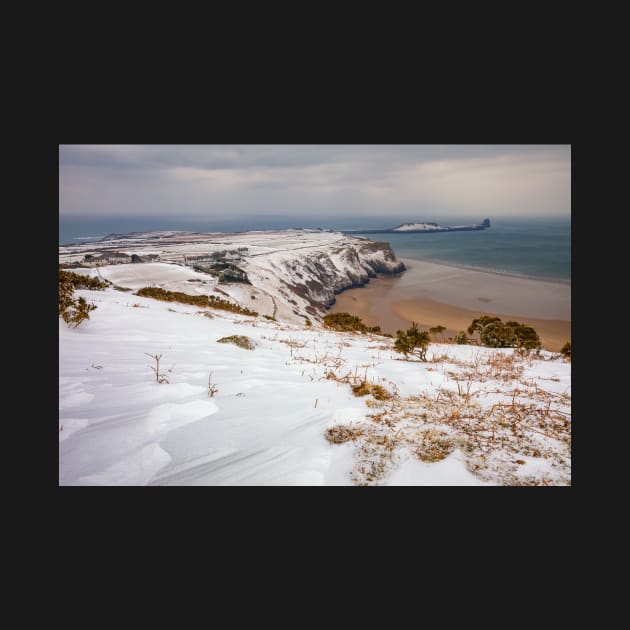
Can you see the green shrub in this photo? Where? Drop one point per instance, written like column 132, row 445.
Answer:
column 565, row 351
column 77, row 312
column 345, row 322
column 526, row 337
column 196, row 300
column 498, row 334
column 77, row 281
column 73, row 311
column 437, row 330
column 480, row 322
column 461, row 338
column 412, row 341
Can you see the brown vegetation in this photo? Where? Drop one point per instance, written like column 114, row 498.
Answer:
column 523, row 420
column 348, row 323
column 73, row 310
column 196, row 300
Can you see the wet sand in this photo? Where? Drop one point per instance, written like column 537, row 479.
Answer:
column 432, row 294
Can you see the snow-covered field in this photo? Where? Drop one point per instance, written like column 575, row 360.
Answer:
column 169, row 277
column 470, row 416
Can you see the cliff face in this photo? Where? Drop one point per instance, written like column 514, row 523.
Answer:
column 308, row 279
column 290, row 275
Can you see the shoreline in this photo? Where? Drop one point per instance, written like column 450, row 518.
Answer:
column 492, row 272
column 433, row 294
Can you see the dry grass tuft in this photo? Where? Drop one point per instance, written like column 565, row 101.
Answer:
column 434, row 445
column 486, row 409
column 340, row 434
column 365, row 388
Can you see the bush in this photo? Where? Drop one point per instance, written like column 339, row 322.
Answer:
column 344, row 322
column 73, row 311
column 526, row 337
column 498, row 334
column 77, row 281
column 196, row 300
column 412, row 341
column 565, row 351
column 437, row 330
column 78, row 311
column 461, row 338
column 479, row 323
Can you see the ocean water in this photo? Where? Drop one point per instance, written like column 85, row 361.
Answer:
column 536, row 248
column 532, row 248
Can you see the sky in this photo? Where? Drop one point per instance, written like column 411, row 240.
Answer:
column 423, row 182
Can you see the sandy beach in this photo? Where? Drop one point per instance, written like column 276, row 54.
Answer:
column 432, row 294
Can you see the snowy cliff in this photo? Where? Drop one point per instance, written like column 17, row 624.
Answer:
column 292, row 275
column 309, row 278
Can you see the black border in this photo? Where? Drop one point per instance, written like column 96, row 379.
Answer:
column 450, row 112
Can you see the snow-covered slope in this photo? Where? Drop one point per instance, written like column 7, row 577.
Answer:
column 294, row 274
column 470, row 416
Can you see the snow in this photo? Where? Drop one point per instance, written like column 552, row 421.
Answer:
column 451, row 471
column 164, row 275
column 266, row 424
column 417, row 226
column 70, row 425
column 427, row 227
column 134, row 470
column 293, row 273
column 170, row 416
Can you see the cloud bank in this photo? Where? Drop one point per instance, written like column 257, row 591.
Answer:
column 299, row 181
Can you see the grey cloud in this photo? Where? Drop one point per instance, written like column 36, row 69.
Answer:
column 274, row 156
column 295, row 180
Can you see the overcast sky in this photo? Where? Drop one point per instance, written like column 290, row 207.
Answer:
column 240, row 181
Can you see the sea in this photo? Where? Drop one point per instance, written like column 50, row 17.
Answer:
column 530, row 247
